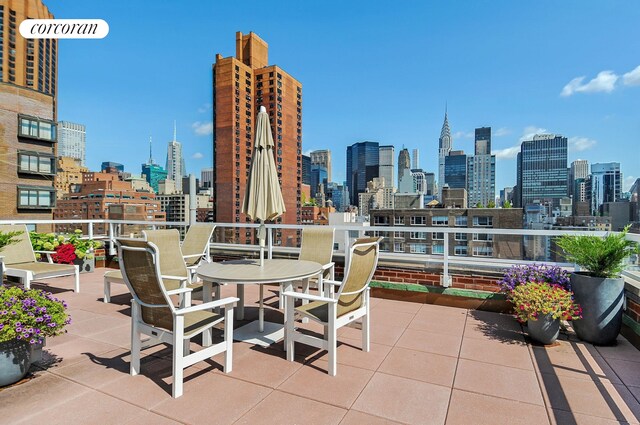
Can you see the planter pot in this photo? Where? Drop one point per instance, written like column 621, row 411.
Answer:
column 14, row 361
column 544, row 330
column 87, row 265
column 601, row 300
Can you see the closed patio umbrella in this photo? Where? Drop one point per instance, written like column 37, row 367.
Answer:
column 263, row 198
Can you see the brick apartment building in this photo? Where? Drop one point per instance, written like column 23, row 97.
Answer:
column 68, row 176
column 28, row 87
column 242, row 84
column 460, row 244
column 312, row 214
column 97, row 196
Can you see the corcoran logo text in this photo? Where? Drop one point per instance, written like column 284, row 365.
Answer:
column 64, row 28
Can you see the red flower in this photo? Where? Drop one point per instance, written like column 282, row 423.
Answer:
column 65, row 254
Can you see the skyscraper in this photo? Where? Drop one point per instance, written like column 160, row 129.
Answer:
column 242, row 84
column 606, row 184
column 28, row 115
column 542, row 170
column 71, row 141
column 386, row 170
column 363, row 163
column 445, row 144
column 206, row 177
column 481, row 170
column 175, row 161
column 323, row 158
column 415, row 160
column 455, row 170
column 579, row 170
column 306, row 169
column 404, row 163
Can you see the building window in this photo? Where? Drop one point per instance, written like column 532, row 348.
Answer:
column 398, row 247
column 483, row 221
column 461, row 220
column 437, row 236
column 36, row 128
column 461, row 236
column 483, row 237
column 418, row 248
column 418, row 221
column 483, row 251
column 419, row 235
column 440, row 220
column 36, row 163
column 460, row 250
column 35, row 197
column 398, row 234
column 398, row 220
column 437, row 249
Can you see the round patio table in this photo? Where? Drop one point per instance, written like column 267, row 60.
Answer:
column 250, row 272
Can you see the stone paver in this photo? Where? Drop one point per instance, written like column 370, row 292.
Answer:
column 427, row 364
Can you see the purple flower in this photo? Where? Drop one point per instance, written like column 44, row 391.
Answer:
column 537, row 273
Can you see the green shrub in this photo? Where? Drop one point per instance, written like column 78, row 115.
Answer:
column 601, row 257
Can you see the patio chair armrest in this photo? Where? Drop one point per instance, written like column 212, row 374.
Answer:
column 179, row 291
column 303, row 296
column 208, row 306
column 328, row 266
column 331, row 282
column 192, row 255
column 47, row 253
column 180, row 278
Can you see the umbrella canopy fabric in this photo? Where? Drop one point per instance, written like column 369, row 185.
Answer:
column 263, row 197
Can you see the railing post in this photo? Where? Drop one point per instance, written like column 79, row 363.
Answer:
column 446, row 279
column 90, row 230
column 347, row 252
column 112, row 241
column 270, row 243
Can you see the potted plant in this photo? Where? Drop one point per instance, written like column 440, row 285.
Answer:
column 26, row 318
column 541, row 307
column 84, row 250
column 599, row 289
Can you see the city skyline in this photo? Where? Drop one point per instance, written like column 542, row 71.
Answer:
column 534, row 82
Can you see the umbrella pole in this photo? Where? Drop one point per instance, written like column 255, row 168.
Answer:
column 261, row 232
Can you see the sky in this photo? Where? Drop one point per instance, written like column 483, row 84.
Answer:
column 370, row 70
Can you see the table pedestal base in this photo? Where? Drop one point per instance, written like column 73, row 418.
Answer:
column 250, row 333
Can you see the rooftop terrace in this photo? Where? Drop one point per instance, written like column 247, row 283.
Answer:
column 428, row 364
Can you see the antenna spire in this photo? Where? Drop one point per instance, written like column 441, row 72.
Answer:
column 150, row 152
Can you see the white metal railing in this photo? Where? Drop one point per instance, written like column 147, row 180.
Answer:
column 116, row 228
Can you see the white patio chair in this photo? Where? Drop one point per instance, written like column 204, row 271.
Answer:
column 348, row 304
column 154, row 314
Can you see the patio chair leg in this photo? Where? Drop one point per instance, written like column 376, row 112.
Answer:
column 26, row 280
column 332, row 347
column 135, row 340
column 305, row 289
column 178, row 346
column 228, row 339
column 281, row 297
column 77, row 280
column 107, row 291
column 186, row 347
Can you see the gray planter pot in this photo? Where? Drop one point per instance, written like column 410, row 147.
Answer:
column 87, row 265
column 601, row 300
column 545, row 330
column 14, row 361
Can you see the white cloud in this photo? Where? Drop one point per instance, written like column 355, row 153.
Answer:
column 205, row 108
column 202, row 128
column 462, row 135
column 507, row 153
column 579, row 144
column 530, row 131
column 632, row 78
column 605, row 81
column 502, row 131
column 628, row 182
column 197, row 155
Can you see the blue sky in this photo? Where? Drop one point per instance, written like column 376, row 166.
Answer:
column 370, row 70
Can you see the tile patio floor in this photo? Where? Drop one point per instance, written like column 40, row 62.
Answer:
column 428, row 364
